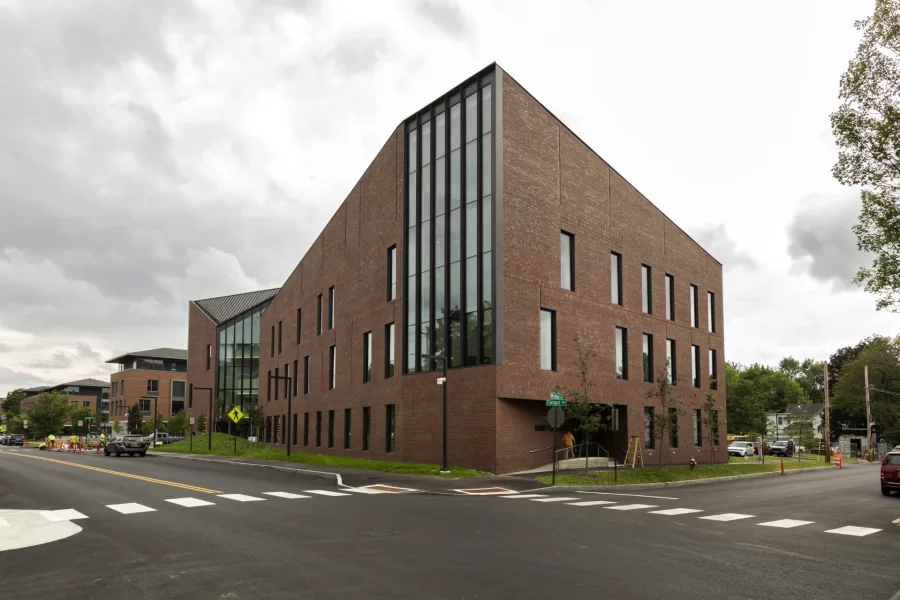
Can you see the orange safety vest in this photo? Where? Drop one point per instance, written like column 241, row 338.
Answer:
column 569, row 439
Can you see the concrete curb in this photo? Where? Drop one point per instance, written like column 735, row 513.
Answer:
column 666, row 484
column 335, row 478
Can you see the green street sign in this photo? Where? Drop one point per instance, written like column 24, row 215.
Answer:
column 556, row 399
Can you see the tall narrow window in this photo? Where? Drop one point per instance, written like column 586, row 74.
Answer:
column 567, row 261
column 331, row 307
column 673, row 428
column 273, row 341
column 305, row 376
column 714, row 418
column 670, row 361
column 670, row 297
column 646, row 290
column 287, row 383
column 621, row 353
column 713, row 370
column 277, row 382
column 306, row 429
column 331, row 429
column 388, row 350
column 389, row 413
column 346, row 429
column 332, row 370
column 615, row 277
column 299, row 326
column 294, row 431
column 318, row 429
column 296, row 383
column 279, row 337
column 392, row 273
column 649, row 434
column 208, row 358
column 319, row 314
column 695, row 318
column 695, row 365
column 367, row 426
column 548, row 339
column 269, row 387
column 711, row 311
column 648, row 357
column 367, row 357
column 698, row 428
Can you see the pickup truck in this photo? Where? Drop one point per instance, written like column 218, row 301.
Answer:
column 165, row 438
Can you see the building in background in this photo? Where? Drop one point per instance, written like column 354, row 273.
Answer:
column 84, row 393
column 156, row 379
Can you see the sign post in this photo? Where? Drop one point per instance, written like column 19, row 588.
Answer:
column 192, row 434
column 235, row 415
column 556, row 416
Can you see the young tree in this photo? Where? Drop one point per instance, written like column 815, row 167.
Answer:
column 711, row 422
column 178, row 423
column 80, row 413
column 117, row 427
column 135, row 419
column 255, row 417
column 670, row 406
column 48, row 414
column 580, row 407
column 201, row 424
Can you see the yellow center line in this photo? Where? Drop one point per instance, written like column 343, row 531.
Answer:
column 119, row 473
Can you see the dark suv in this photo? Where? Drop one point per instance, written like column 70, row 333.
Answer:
column 16, row 439
column 128, row 444
column 782, row 448
column 890, row 473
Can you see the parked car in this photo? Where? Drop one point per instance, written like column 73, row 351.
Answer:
column 890, row 473
column 766, row 447
column 3, row 439
column 895, row 449
column 740, row 449
column 782, row 448
column 126, row 444
column 16, row 439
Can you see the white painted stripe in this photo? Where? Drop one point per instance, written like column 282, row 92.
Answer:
column 785, row 523
column 326, row 493
column 189, row 502
column 630, row 506
column 130, row 508
column 727, row 517
column 286, row 495
column 590, row 503
column 671, row 512
column 66, row 514
column 553, row 499
column 896, row 521
column 241, row 497
column 476, row 492
column 363, row 490
column 526, row 496
column 630, row 495
column 854, row 531
column 3, row 522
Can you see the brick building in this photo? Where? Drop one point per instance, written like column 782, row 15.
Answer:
column 83, row 393
column 155, row 379
column 486, row 232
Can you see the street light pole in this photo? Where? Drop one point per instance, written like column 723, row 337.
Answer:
column 287, row 425
column 209, row 414
column 445, row 470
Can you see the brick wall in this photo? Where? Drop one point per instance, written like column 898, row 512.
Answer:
column 201, row 331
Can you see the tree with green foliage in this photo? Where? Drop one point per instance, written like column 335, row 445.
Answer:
column 117, row 427
column 12, row 406
column 48, row 414
column 201, row 424
column 711, row 422
column 255, row 417
column 80, row 413
column 135, row 419
column 882, row 356
column 580, row 407
column 670, row 408
column 178, row 424
column 866, row 127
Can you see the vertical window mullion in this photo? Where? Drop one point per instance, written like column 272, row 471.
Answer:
column 432, row 223
column 418, row 266
column 479, row 194
column 463, row 204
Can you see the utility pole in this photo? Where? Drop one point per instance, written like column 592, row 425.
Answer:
column 827, row 420
column 868, row 418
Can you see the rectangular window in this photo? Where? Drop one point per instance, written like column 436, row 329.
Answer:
column 367, row 357
column 670, row 297
column 389, row 350
column 670, row 361
column 698, row 428
column 269, row 387
column 299, row 326
column 296, row 383
column 646, row 290
column 145, row 406
column 695, row 365
column 346, row 429
column 711, row 311
column 277, row 382
column 294, row 431
column 695, row 318
column 306, row 429
column 272, row 349
column 287, row 382
column 673, row 428
column 615, row 277
column 208, row 356
column 85, row 403
column 367, row 426
column 389, row 413
column 649, row 434
column 306, row 375
column 318, row 429
column 714, row 416
column 567, row 261
column 713, row 370
column 153, row 387
column 279, row 337
column 331, row 429
column 392, row 273
column 332, row 371
column 621, row 353
column 548, row 339
column 319, row 314
column 177, row 397
column 331, row 307
column 648, row 357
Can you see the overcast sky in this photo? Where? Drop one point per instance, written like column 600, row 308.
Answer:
column 156, row 152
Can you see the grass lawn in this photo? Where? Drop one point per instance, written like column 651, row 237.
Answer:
column 223, row 445
column 678, row 473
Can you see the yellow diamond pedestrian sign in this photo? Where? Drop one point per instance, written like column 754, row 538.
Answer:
column 236, row 415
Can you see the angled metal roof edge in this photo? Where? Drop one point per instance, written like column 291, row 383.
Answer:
column 148, row 354
column 216, row 321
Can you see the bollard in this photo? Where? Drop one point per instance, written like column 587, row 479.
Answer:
column 782, row 465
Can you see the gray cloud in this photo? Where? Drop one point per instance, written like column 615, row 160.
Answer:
column 11, row 379
column 821, row 241
column 57, row 360
column 358, row 54
column 82, row 350
column 445, row 15
column 716, row 241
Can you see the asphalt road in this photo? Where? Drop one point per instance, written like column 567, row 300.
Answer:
column 436, row 545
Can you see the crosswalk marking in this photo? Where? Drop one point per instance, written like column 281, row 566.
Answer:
column 590, row 503
column 525, row 496
column 727, row 517
column 241, row 498
column 785, row 523
column 130, row 508
column 326, row 493
column 854, row 531
column 630, row 506
column 671, row 512
column 363, row 490
column 553, row 499
column 66, row 514
column 287, row 495
column 189, row 502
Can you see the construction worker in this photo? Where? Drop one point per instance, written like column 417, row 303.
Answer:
column 569, row 441
column 73, row 442
column 51, row 439
column 102, row 440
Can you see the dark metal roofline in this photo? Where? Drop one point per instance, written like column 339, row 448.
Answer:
column 163, row 353
column 471, row 78
column 231, row 311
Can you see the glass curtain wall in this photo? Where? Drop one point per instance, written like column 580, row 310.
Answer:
column 238, row 361
column 449, row 161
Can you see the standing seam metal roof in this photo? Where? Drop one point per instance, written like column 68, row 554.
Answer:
column 224, row 308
